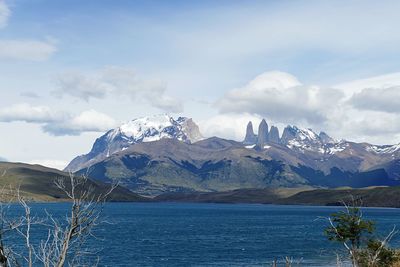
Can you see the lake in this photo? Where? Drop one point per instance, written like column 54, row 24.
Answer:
column 172, row 234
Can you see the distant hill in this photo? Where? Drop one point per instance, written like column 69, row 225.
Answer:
column 255, row 196
column 37, row 183
column 370, row 197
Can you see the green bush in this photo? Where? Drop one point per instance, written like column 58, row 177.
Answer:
column 377, row 254
column 348, row 227
column 355, row 233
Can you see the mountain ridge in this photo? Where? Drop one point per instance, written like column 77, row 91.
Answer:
column 165, row 156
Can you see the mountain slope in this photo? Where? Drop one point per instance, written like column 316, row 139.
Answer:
column 37, row 183
column 155, row 155
column 140, row 130
column 216, row 164
column 304, row 147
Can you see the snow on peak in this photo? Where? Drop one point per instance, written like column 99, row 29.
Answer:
column 308, row 140
column 386, row 149
column 146, row 126
column 306, row 134
column 147, row 129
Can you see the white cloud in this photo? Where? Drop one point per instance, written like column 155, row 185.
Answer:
column 51, row 163
column 87, row 121
column 26, row 50
column 28, row 113
column 352, row 111
column 4, row 14
column 116, row 81
column 81, row 86
column 163, row 102
column 378, row 99
column 281, row 97
column 228, row 126
column 58, row 123
column 356, row 86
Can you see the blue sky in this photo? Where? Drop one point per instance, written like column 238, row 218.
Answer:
column 63, row 63
column 154, row 36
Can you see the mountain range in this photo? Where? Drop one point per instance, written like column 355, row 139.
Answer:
column 155, row 155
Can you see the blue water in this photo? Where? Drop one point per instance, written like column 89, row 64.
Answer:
column 170, row 234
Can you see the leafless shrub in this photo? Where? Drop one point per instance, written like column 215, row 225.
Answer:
column 65, row 239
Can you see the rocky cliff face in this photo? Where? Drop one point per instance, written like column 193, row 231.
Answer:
column 289, row 133
column 294, row 138
column 262, row 137
column 274, row 135
column 250, row 137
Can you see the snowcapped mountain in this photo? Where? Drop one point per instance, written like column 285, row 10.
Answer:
column 146, row 129
column 306, row 140
column 385, row 149
column 294, row 138
column 304, row 147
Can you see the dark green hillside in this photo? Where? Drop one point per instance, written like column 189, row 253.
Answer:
column 37, row 183
column 264, row 196
column 218, row 165
column 371, row 197
column 210, row 165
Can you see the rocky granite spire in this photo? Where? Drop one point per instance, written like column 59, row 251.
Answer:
column 274, row 135
column 262, row 133
column 250, row 138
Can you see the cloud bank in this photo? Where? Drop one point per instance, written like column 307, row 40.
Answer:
column 378, row 99
column 353, row 111
column 116, row 81
column 26, row 49
column 87, row 121
column 31, row 50
column 28, row 113
column 58, row 123
column 281, row 97
column 229, row 125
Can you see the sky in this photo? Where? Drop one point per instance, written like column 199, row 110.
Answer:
column 72, row 69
